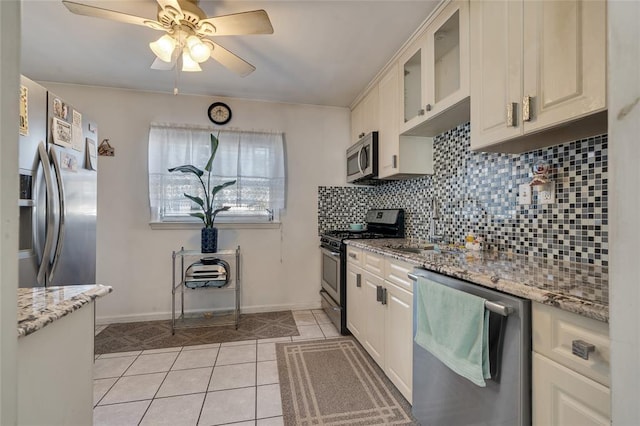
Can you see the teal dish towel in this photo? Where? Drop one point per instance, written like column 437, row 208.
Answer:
column 454, row 327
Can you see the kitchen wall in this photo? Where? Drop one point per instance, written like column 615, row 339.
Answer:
column 477, row 192
column 280, row 266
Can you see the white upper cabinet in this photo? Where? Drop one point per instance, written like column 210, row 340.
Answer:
column 536, row 66
column 398, row 156
column 435, row 74
column 364, row 117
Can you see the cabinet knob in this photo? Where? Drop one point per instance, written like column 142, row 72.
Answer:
column 582, row 349
column 358, row 280
column 353, row 255
column 421, row 112
column 512, row 109
column 394, row 161
column 361, row 135
column 379, row 291
column 428, row 107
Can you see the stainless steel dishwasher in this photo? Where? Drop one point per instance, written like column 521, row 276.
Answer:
column 442, row 397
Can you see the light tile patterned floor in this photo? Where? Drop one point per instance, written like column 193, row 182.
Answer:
column 232, row 383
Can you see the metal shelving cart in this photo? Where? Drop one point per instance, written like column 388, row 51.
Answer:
column 214, row 272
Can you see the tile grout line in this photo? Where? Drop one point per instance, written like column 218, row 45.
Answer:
column 161, row 383
column 182, row 350
column 206, row 391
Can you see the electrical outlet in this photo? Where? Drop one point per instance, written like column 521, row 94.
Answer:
column 547, row 194
column 524, row 194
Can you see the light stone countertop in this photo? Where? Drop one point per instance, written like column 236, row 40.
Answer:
column 574, row 287
column 40, row 306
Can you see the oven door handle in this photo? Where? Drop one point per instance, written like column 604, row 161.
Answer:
column 332, row 253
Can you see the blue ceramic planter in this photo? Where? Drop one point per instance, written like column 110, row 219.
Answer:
column 209, row 240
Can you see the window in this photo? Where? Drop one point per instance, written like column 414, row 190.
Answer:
column 254, row 159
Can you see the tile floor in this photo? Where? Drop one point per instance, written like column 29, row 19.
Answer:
column 233, row 383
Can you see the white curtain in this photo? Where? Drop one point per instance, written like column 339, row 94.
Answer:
column 254, row 159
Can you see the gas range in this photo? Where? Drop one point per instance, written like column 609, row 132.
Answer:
column 335, row 238
column 380, row 223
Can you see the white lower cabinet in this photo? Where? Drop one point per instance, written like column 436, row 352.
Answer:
column 563, row 397
column 568, row 389
column 373, row 339
column 380, row 314
column 356, row 319
column 399, row 338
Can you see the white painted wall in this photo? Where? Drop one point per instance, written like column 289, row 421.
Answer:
column 9, row 80
column 624, row 205
column 281, row 267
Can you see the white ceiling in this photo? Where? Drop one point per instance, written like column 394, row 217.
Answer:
column 322, row 52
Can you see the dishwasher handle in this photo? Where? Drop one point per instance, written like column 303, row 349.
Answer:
column 495, row 307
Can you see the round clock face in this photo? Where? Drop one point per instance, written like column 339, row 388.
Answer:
column 219, row 113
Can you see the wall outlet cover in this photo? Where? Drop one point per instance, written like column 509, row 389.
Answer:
column 547, row 194
column 524, row 194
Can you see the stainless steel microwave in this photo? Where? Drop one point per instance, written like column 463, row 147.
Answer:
column 362, row 160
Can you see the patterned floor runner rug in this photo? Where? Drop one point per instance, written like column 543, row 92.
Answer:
column 335, row 382
column 134, row 336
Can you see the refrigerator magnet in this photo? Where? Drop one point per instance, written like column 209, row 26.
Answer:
column 61, row 132
column 68, row 161
column 24, row 112
column 76, row 131
column 92, row 155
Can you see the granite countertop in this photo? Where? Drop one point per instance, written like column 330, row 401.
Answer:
column 40, row 306
column 574, row 287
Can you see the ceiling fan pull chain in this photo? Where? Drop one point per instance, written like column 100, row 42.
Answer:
column 175, row 81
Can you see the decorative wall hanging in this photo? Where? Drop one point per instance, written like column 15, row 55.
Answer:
column 105, row 149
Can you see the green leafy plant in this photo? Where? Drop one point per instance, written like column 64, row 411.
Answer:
column 208, row 214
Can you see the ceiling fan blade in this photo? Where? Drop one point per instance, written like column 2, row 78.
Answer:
column 230, row 60
column 98, row 12
column 253, row 22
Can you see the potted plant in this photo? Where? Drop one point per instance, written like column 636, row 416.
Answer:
column 209, row 239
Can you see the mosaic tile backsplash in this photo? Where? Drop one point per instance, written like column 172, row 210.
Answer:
column 477, row 193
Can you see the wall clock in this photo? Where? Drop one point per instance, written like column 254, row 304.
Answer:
column 219, row 113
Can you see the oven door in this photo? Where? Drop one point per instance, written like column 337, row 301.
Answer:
column 331, row 273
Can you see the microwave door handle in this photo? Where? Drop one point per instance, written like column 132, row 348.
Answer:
column 61, row 219
column 43, row 158
column 360, row 160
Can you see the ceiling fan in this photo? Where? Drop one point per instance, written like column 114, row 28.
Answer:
column 187, row 29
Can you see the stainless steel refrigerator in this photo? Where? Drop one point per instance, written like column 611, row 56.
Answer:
column 58, row 191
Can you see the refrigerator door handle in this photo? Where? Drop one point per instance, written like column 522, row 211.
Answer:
column 61, row 221
column 43, row 158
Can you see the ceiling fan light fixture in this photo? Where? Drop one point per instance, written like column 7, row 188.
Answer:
column 198, row 50
column 164, row 47
column 188, row 64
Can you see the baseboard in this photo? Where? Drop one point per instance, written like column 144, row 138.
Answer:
column 157, row 316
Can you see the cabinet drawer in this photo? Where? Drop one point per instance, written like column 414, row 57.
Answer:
column 554, row 330
column 374, row 263
column 354, row 256
column 396, row 272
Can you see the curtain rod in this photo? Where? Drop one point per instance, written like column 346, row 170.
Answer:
column 211, row 129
